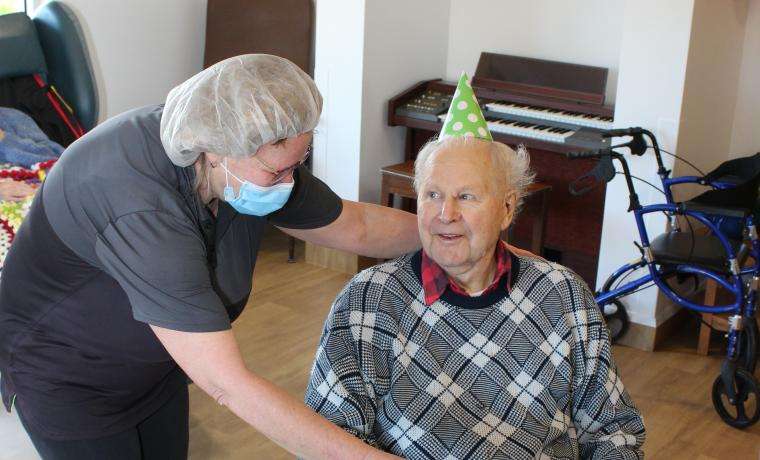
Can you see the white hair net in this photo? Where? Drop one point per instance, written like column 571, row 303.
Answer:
column 236, row 106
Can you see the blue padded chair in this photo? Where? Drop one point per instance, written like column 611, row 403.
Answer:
column 51, row 44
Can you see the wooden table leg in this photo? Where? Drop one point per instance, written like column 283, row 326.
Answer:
column 386, row 198
column 539, row 227
column 711, row 290
column 409, row 152
column 291, row 250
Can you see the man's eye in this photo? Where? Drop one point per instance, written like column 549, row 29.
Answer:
column 466, row 197
column 433, row 195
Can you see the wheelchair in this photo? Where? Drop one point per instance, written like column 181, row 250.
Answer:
column 727, row 253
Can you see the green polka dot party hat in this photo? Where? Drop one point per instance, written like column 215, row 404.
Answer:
column 464, row 117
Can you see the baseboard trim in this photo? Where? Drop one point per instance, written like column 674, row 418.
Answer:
column 649, row 338
column 638, row 336
column 337, row 260
column 669, row 327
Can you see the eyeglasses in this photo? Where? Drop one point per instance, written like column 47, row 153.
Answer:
column 279, row 175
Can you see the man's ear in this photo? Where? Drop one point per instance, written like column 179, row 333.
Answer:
column 510, row 204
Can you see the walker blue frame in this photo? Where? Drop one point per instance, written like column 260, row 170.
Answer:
column 736, row 383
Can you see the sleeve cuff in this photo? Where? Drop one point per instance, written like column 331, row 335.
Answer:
column 208, row 326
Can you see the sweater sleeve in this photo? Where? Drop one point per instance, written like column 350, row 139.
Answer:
column 342, row 386
column 608, row 424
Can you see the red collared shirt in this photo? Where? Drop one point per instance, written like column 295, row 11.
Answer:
column 435, row 280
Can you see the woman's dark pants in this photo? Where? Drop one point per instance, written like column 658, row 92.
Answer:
column 163, row 435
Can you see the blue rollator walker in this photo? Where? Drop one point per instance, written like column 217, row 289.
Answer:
column 729, row 212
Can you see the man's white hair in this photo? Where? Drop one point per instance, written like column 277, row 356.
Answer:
column 510, row 169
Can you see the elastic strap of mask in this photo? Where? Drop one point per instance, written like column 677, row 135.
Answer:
column 228, row 172
column 250, row 184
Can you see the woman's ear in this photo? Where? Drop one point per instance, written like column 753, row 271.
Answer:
column 212, row 158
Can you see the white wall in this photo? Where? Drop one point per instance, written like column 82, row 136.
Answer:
column 577, row 31
column 400, row 50
column 338, row 64
column 746, row 135
column 710, row 90
column 653, row 52
column 141, row 48
column 365, row 53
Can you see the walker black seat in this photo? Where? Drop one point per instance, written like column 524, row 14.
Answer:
column 728, row 208
column 675, row 248
column 717, row 209
column 744, row 173
column 742, row 196
column 736, row 171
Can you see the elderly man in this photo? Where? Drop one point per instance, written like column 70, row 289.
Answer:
column 466, row 349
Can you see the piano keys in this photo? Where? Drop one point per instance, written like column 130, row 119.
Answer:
column 548, row 114
column 525, row 129
column 578, row 138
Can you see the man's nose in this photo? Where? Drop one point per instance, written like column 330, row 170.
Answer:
column 449, row 210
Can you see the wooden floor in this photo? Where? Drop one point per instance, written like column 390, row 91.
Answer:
column 279, row 330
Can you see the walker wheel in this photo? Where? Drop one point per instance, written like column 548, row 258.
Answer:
column 748, row 346
column 745, row 410
column 616, row 318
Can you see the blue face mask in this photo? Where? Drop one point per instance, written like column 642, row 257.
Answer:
column 253, row 199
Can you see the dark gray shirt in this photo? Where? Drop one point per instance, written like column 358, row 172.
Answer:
column 117, row 239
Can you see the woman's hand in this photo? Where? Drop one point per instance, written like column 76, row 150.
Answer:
column 213, row 361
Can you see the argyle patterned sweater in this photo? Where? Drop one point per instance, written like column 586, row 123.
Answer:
column 507, row 375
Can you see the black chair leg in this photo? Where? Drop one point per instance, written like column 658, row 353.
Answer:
column 291, row 249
